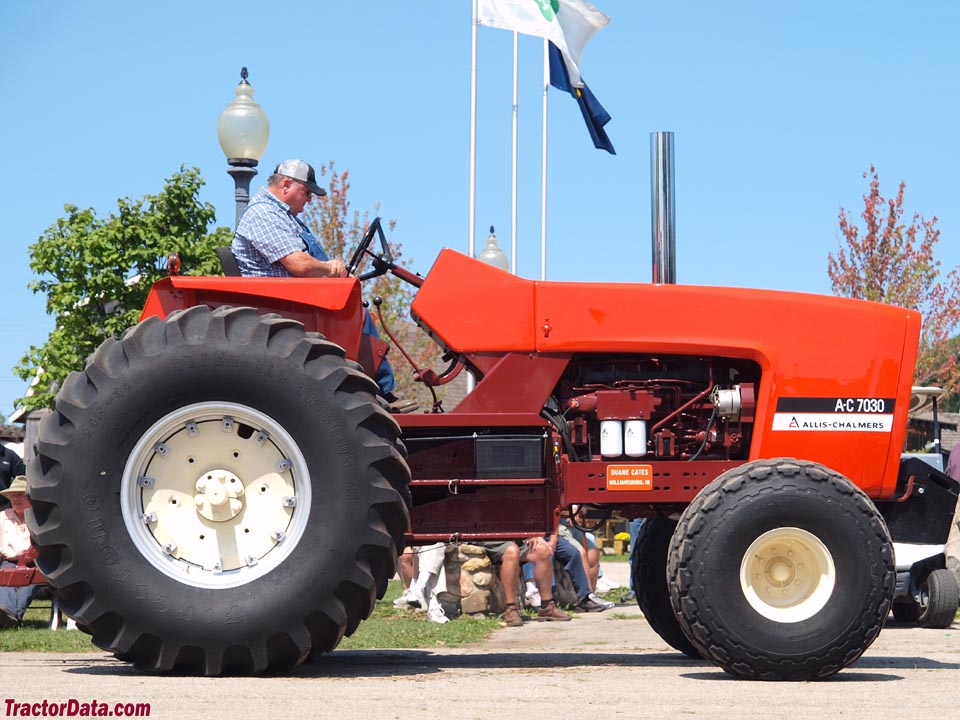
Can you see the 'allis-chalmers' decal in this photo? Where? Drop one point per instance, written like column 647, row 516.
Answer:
column 836, row 414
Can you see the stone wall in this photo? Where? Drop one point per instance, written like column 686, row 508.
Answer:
column 473, row 583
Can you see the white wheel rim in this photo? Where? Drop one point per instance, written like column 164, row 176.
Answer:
column 787, row 575
column 215, row 494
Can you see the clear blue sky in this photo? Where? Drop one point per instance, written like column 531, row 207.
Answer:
column 777, row 109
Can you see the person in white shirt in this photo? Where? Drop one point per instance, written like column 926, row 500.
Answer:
column 14, row 545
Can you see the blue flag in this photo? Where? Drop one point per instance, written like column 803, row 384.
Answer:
column 593, row 112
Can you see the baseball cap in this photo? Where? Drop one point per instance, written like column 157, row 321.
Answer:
column 299, row 170
column 19, row 484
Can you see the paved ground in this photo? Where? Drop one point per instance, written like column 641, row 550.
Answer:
column 605, row 663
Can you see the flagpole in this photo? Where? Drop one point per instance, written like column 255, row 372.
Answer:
column 471, row 234
column 513, row 206
column 543, row 164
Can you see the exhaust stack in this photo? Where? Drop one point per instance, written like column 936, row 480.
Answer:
column 663, row 216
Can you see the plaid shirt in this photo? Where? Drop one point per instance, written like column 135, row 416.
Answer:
column 267, row 232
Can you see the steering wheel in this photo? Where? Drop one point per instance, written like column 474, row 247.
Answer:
column 381, row 262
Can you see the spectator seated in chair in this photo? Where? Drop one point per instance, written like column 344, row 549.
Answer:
column 15, row 551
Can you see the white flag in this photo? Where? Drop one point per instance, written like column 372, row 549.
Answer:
column 568, row 24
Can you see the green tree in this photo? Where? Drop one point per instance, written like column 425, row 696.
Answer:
column 96, row 273
column 893, row 262
column 340, row 230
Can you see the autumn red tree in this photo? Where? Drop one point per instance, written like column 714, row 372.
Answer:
column 890, row 261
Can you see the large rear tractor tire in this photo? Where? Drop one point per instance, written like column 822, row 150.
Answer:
column 218, row 493
column 781, row 570
column 649, row 572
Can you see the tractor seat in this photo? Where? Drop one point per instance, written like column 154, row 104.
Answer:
column 228, row 261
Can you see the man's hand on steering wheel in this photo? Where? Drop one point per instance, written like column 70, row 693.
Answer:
column 338, row 268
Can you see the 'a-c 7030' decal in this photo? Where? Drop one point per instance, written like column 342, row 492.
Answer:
column 834, row 414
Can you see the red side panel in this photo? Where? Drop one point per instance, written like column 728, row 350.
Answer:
column 331, row 307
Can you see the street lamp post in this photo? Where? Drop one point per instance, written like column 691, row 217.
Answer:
column 243, row 130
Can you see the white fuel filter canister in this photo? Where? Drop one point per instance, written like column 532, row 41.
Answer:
column 635, row 438
column 611, row 438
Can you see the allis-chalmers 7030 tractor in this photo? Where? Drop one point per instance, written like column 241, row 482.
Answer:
column 220, row 491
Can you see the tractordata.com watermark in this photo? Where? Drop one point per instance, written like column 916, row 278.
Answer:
column 74, row 708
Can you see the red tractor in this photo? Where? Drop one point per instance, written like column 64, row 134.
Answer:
column 220, row 491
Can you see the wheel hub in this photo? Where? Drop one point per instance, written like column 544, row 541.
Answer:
column 780, row 571
column 787, row 575
column 219, row 495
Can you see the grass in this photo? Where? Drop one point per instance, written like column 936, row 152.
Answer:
column 35, row 634
column 615, row 558
column 387, row 627
column 390, row 627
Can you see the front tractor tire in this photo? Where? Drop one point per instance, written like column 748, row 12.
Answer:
column 781, row 570
column 218, row 493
